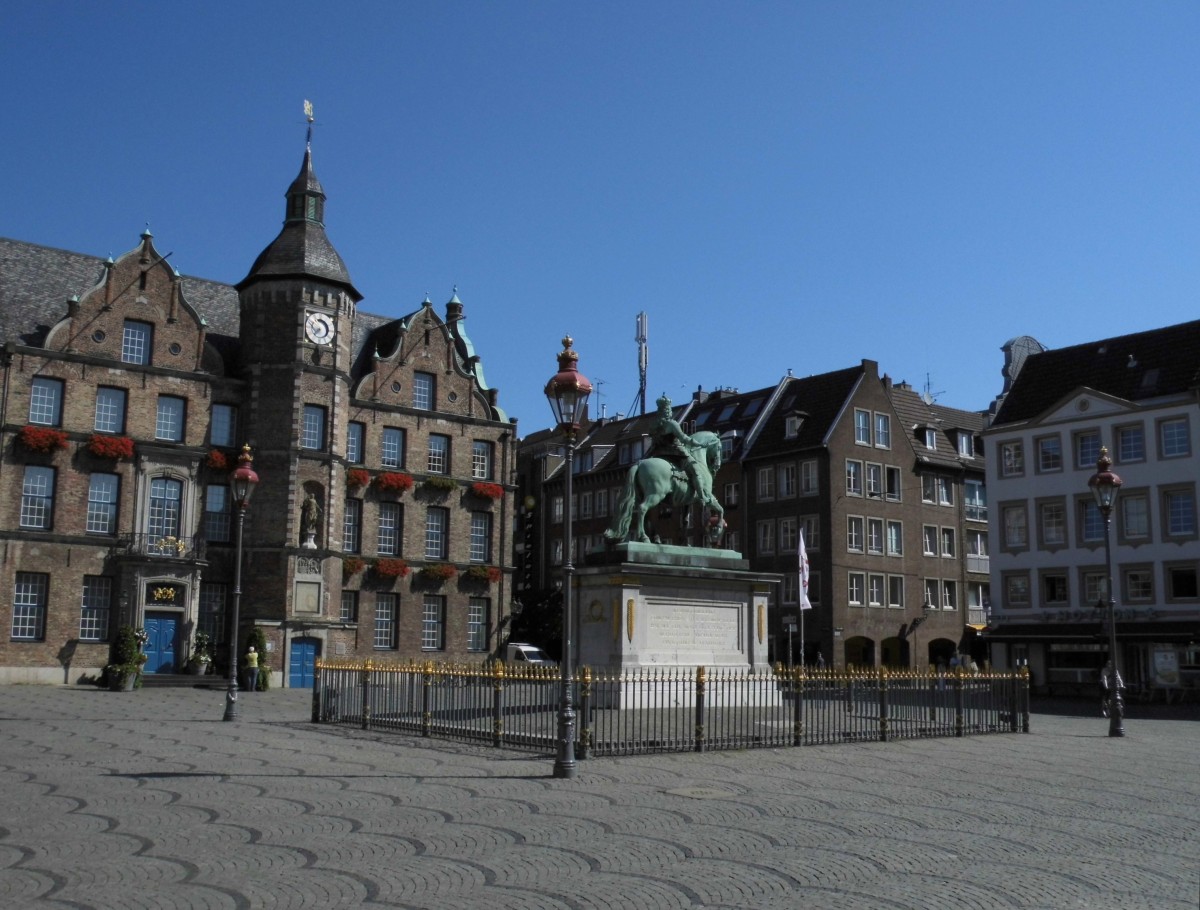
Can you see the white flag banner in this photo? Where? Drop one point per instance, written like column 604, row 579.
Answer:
column 805, row 604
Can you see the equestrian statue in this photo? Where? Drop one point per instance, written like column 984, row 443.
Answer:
column 679, row 469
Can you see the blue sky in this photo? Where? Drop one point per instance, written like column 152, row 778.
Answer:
column 778, row 185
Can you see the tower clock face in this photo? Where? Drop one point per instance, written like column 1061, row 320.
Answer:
column 319, row 328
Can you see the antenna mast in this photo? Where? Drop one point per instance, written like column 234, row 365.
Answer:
column 643, row 330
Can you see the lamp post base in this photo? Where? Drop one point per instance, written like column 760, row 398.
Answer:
column 231, row 702
column 1116, row 715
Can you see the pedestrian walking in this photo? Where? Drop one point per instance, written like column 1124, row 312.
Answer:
column 251, row 669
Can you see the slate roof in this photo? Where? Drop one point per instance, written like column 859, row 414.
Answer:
column 37, row 281
column 1134, row 367
column 915, row 412
column 820, row 397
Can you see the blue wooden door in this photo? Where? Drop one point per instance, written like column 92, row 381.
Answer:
column 303, row 663
column 163, row 629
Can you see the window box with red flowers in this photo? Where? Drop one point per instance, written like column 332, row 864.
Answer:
column 217, row 461
column 42, row 440
column 390, row 568
column 110, row 446
column 352, row 565
column 357, row 477
column 489, row 574
column 439, row 572
column 485, row 490
column 393, row 482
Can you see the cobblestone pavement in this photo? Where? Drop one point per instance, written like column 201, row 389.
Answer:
column 147, row 799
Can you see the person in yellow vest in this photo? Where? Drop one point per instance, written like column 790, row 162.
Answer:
column 251, row 669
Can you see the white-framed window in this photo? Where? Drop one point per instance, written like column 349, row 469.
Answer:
column 766, row 538
column 929, row 539
column 424, row 390
column 103, row 492
column 481, row 537
column 949, row 544
column 1049, row 449
column 854, row 478
column 481, row 460
column 110, row 410
column 1087, row 449
column 213, row 600
column 602, row 502
column 875, row 590
column 787, row 480
column 896, row 592
column 789, row 540
column 790, row 589
column 46, row 401
column 874, row 480
column 136, row 338
column 892, row 483
column 437, row 526
column 975, row 500
column 388, row 533
column 933, row 593
column 356, row 435
column 585, row 504
column 791, row 426
column 348, row 609
column 1016, row 527
column 1012, row 459
column 222, row 425
column 1052, row 520
column 1131, row 444
column 94, row 611
column 438, row 461
column 856, row 588
column 218, row 513
column 1135, row 516
column 862, row 427
column 386, row 609
column 556, row 509
column 1091, row 522
column 875, row 536
column 391, row 448
column 433, row 623
column 1095, row 588
column 928, row 488
column 929, row 435
column 1179, row 512
column 1139, row 584
column 854, row 533
column 169, row 419
column 949, row 595
column 312, row 428
column 766, row 484
column 883, row 431
column 966, row 444
column 977, row 544
column 352, row 526
column 810, row 485
column 29, row 606
column 478, row 620
column 1016, row 590
column 166, row 508
column 731, row 495
column 810, row 527
column 37, row 498
column 895, row 538
column 1174, row 440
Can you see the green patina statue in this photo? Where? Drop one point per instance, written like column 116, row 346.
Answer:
column 678, row 469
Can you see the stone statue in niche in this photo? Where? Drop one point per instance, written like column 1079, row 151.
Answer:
column 310, row 518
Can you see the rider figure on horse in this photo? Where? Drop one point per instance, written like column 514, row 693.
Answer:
column 674, row 445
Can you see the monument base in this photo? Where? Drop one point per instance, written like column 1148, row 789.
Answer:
column 645, row 606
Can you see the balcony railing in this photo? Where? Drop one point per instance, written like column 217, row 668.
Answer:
column 165, row 546
column 977, row 563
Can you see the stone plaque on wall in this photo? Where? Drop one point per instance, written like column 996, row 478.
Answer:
column 308, row 597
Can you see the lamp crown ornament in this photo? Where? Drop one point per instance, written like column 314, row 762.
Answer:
column 568, row 389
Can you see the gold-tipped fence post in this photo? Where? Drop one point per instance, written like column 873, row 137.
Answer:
column 426, row 698
column 366, row 696
column 700, row 682
column 959, row 676
column 883, row 705
column 498, row 704
column 316, row 696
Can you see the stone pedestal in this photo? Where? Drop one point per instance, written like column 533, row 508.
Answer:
column 641, row 606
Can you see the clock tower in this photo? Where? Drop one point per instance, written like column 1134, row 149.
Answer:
column 298, row 307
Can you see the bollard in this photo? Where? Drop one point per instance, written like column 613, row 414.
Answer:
column 316, row 696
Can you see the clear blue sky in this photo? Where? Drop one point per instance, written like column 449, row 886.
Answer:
column 778, row 185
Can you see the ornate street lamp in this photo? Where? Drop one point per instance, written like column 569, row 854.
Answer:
column 1105, row 486
column 242, row 482
column 567, row 392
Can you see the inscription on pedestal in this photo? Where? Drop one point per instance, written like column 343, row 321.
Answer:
column 687, row 627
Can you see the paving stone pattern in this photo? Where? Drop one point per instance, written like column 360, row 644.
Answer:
column 149, row 800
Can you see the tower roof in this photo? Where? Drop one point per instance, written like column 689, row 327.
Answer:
column 302, row 250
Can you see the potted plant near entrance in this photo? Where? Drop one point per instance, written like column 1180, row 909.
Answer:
column 201, row 654
column 124, row 671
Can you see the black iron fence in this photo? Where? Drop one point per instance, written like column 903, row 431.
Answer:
column 672, row 710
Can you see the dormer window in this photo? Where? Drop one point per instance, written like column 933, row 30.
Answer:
column 930, row 436
column 966, row 444
column 791, row 426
